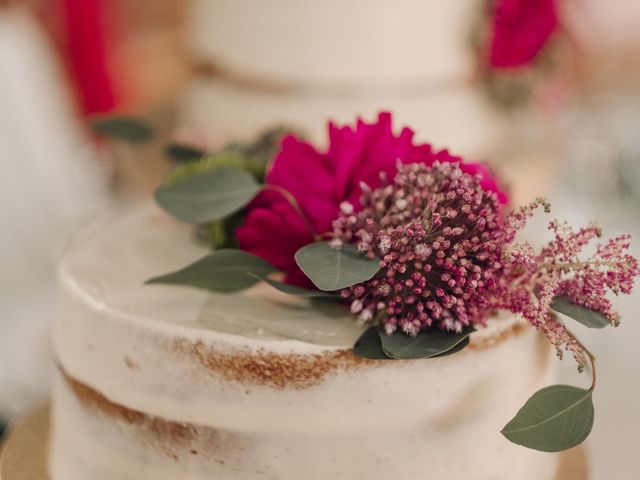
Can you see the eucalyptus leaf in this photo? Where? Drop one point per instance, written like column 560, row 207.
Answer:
column 460, row 346
column 369, row 345
column 183, row 153
column 219, row 234
column 295, row 290
column 584, row 315
column 208, row 196
column 426, row 344
column 127, row 129
column 209, row 162
column 227, row 270
column 553, row 419
column 332, row 269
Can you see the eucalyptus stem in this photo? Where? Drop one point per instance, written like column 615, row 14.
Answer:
column 294, row 204
column 592, row 359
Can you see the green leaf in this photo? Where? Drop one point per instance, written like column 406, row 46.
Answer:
column 183, row 153
column 332, row 269
column 584, row 315
column 221, row 271
column 426, row 344
column 220, row 234
column 208, row 196
column 400, row 346
column 294, row 290
column 553, row 419
column 127, row 129
column 184, row 170
column 460, row 346
column 369, row 345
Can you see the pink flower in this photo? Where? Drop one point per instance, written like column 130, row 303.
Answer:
column 531, row 280
column 439, row 235
column 274, row 231
column 321, row 181
column 521, row 29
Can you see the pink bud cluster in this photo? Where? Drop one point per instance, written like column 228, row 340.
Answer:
column 438, row 235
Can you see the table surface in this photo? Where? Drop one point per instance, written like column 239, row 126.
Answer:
column 24, row 453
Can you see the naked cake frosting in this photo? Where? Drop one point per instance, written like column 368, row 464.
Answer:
column 164, row 383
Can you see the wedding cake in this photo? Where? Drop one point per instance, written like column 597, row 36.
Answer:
column 361, row 305
column 299, row 63
column 162, row 382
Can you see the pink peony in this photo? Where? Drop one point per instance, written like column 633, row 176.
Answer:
column 520, row 30
column 321, row 181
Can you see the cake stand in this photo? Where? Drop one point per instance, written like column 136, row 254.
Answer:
column 24, row 452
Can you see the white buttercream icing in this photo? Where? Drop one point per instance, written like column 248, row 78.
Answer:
column 174, row 353
column 336, row 41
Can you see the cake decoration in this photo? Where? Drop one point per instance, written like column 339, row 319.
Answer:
column 520, row 31
column 418, row 244
column 439, row 238
column 321, row 182
column 523, row 56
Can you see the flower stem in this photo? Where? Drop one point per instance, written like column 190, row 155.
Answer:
column 592, row 359
column 294, row 204
column 563, row 266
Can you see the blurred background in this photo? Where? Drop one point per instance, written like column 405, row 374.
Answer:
column 561, row 119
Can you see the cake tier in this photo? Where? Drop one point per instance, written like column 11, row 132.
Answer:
column 336, row 41
column 440, row 114
column 297, row 63
column 163, row 382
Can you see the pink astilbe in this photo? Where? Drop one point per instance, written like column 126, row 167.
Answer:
column 531, row 281
column 437, row 233
column 587, row 282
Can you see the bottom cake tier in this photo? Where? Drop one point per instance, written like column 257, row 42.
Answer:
column 449, row 431
column 168, row 383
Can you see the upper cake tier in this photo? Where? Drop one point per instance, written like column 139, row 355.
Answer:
column 337, row 41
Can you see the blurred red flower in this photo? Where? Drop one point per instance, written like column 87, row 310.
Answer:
column 520, row 30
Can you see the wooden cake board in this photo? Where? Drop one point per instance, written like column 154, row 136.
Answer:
column 24, row 453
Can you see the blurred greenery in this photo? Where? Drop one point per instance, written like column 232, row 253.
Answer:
column 126, row 129
column 252, row 157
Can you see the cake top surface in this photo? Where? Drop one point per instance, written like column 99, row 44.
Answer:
column 107, row 263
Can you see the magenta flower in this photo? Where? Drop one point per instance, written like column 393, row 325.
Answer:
column 520, row 30
column 320, row 181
